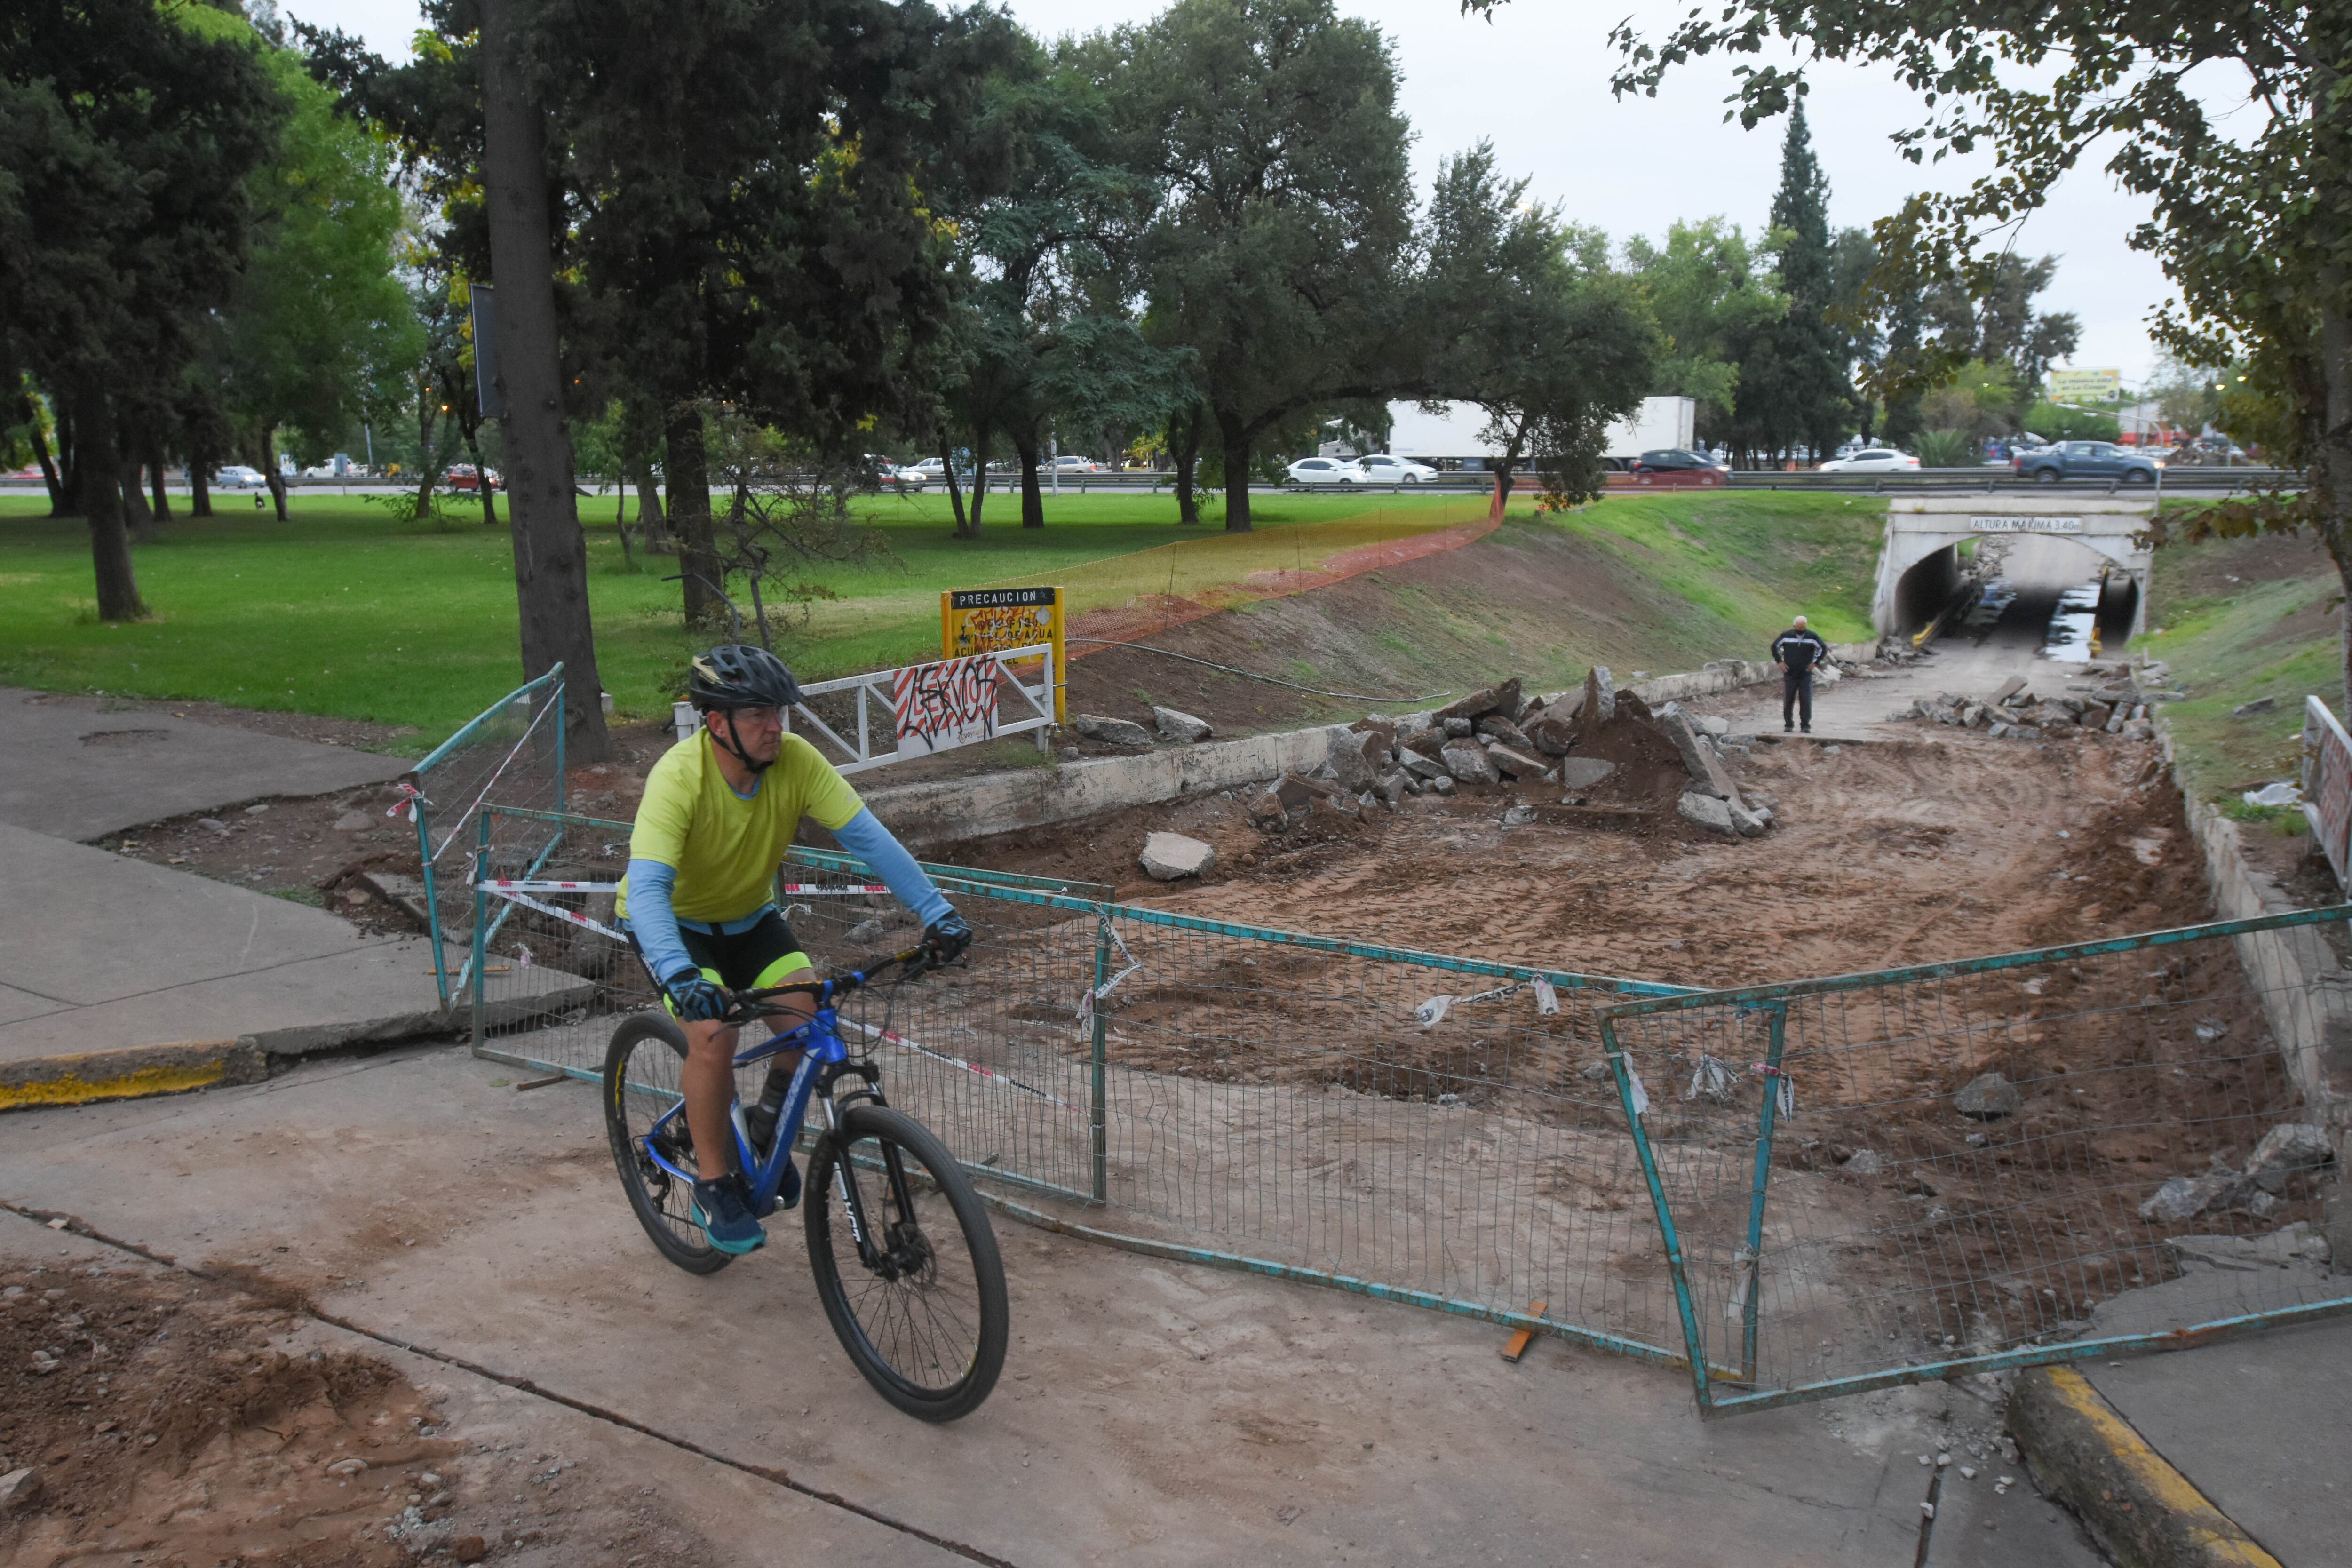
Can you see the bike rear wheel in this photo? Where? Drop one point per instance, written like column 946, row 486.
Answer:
column 924, row 1317
column 642, row 1072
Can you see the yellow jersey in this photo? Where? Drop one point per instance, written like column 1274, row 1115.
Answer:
column 724, row 848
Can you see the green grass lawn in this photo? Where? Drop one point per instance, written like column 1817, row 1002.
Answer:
column 344, row 611
column 2238, row 620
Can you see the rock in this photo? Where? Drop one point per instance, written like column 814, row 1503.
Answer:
column 1469, row 764
column 18, row 1488
column 2139, row 730
column 350, row 1467
column 1706, row 771
column 1551, row 735
column 2289, row 1147
column 1750, row 823
column 1178, row 726
column 2010, row 688
column 1169, row 856
column 1421, row 766
column 1988, row 1097
column 1599, row 704
column 2024, row 732
column 2185, row 1197
column 213, row 825
column 1352, row 769
column 2259, row 705
column 1266, row 812
column 1496, row 727
column 1582, row 773
column 2095, row 715
column 1111, row 732
column 1865, row 1162
column 1517, row 764
column 354, row 822
column 255, row 810
column 1442, row 784
column 1392, row 786
column 1708, row 812
column 1478, row 704
column 1377, row 750
column 865, row 931
column 469, row 1549
column 1518, row 816
column 1716, row 727
column 1454, row 729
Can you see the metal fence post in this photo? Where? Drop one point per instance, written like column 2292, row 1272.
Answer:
column 1693, row 1341
column 1752, row 1287
column 480, row 962
column 558, row 695
column 431, row 902
column 1100, row 1114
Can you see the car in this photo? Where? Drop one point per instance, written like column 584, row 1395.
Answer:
column 1323, row 471
column 462, row 476
column 1380, row 468
column 1871, row 460
column 238, row 477
column 2087, row 460
column 900, row 475
column 1073, row 463
column 1672, row 460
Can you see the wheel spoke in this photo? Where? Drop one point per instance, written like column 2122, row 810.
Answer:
column 924, row 1324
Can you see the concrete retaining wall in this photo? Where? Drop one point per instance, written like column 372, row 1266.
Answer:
column 951, row 809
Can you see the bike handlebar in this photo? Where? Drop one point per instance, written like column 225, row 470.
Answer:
column 745, row 1005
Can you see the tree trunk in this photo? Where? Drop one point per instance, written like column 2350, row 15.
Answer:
column 687, row 468
column 955, row 492
column 200, row 485
column 155, row 477
column 482, row 477
column 100, row 468
column 551, row 552
column 980, row 442
column 1032, row 503
column 264, row 457
column 2332, row 462
column 41, row 453
column 1187, row 461
column 1237, row 472
column 135, row 511
column 1503, row 478
column 66, row 500
column 652, row 525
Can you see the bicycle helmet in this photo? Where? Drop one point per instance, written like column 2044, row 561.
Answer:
column 737, row 675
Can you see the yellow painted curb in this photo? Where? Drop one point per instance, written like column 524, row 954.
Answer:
column 2148, row 1511
column 128, row 1074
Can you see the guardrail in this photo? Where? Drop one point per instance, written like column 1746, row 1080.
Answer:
column 934, row 707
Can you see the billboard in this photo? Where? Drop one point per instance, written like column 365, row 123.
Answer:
column 993, row 620
column 2084, row 385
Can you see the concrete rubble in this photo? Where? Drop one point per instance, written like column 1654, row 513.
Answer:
column 2289, row 1150
column 1110, row 731
column 1988, row 1097
column 2108, row 703
column 1175, row 725
column 1170, row 856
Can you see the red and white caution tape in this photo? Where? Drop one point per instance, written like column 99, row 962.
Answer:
column 410, row 799
column 812, row 890
column 872, row 1033
column 527, row 901
column 518, row 885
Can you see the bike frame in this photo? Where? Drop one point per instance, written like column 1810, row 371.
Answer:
column 823, row 1058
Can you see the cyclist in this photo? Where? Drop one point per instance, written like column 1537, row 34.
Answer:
column 719, row 810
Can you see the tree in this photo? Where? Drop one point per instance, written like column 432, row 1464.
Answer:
column 1712, row 297
column 1794, row 384
column 1537, row 329
column 127, row 138
column 2253, row 221
column 319, row 318
column 1278, row 249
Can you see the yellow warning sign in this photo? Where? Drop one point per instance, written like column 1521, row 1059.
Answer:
column 997, row 620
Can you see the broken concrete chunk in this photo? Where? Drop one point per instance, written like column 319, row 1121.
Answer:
column 1551, row 735
column 1172, row 854
column 1496, row 727
column 2296, row 1243
column 1473, row 706
column 2095, row 715
column 1986, row 1096
column 1582, row 773
column 1349, row 766
column 1599, row 704
column 1714, row 726
column 1750, row 823
column 2259, row 705
column 1111, row 732
column 2289, row 1147
column 2185, row 1197
column 1442, row 784
column 1392, row 786
column 1180, row 726
column 18, row 1488
column 1865, row 1162
column 2010, row 688
column 1469, row 764
column 1267, row 811
column 1707, row 773
column 2139, row 730
column 1708, row 812
column 1515, row 763
column 1421, row 766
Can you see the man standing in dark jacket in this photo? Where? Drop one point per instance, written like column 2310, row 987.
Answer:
column 1796, row 651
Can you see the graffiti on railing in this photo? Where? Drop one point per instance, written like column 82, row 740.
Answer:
column 943, row 705
column 2327, row 786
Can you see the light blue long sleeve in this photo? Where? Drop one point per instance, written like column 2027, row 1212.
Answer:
column 652, row 920
column 865, row 836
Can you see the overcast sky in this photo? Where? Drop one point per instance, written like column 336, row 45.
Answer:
column 1535, row 83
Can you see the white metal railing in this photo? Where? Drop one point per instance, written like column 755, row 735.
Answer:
column 921, row 709
column 2327, row 784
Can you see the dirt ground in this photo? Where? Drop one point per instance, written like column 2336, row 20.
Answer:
column 181, row 1421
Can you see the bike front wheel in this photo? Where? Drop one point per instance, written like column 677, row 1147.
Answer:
column 643, row 1067
column 918, row 1300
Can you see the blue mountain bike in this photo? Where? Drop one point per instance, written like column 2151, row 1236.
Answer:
column 905, row 1260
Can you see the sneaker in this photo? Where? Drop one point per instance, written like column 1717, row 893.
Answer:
column 724, row 1211
column 788, row 1190
column 1788, row 728
column 1809, row 729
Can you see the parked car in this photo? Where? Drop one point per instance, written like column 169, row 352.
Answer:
column 2087, row 460
column 1073, row 463
column 462, row 476
column 931, row 469
column 903, row 476
column 1871, row 460
column 238, row 477
column 1380, row 468
column 1323, row 471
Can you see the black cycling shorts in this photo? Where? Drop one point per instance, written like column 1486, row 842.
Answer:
column 763, row 955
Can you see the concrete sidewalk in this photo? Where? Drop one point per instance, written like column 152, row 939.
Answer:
column 109, row 955
column 1151, row 1413
column 75, row 773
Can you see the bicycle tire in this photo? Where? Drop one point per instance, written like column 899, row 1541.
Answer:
column 947, row 1322
column 642, row 1067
